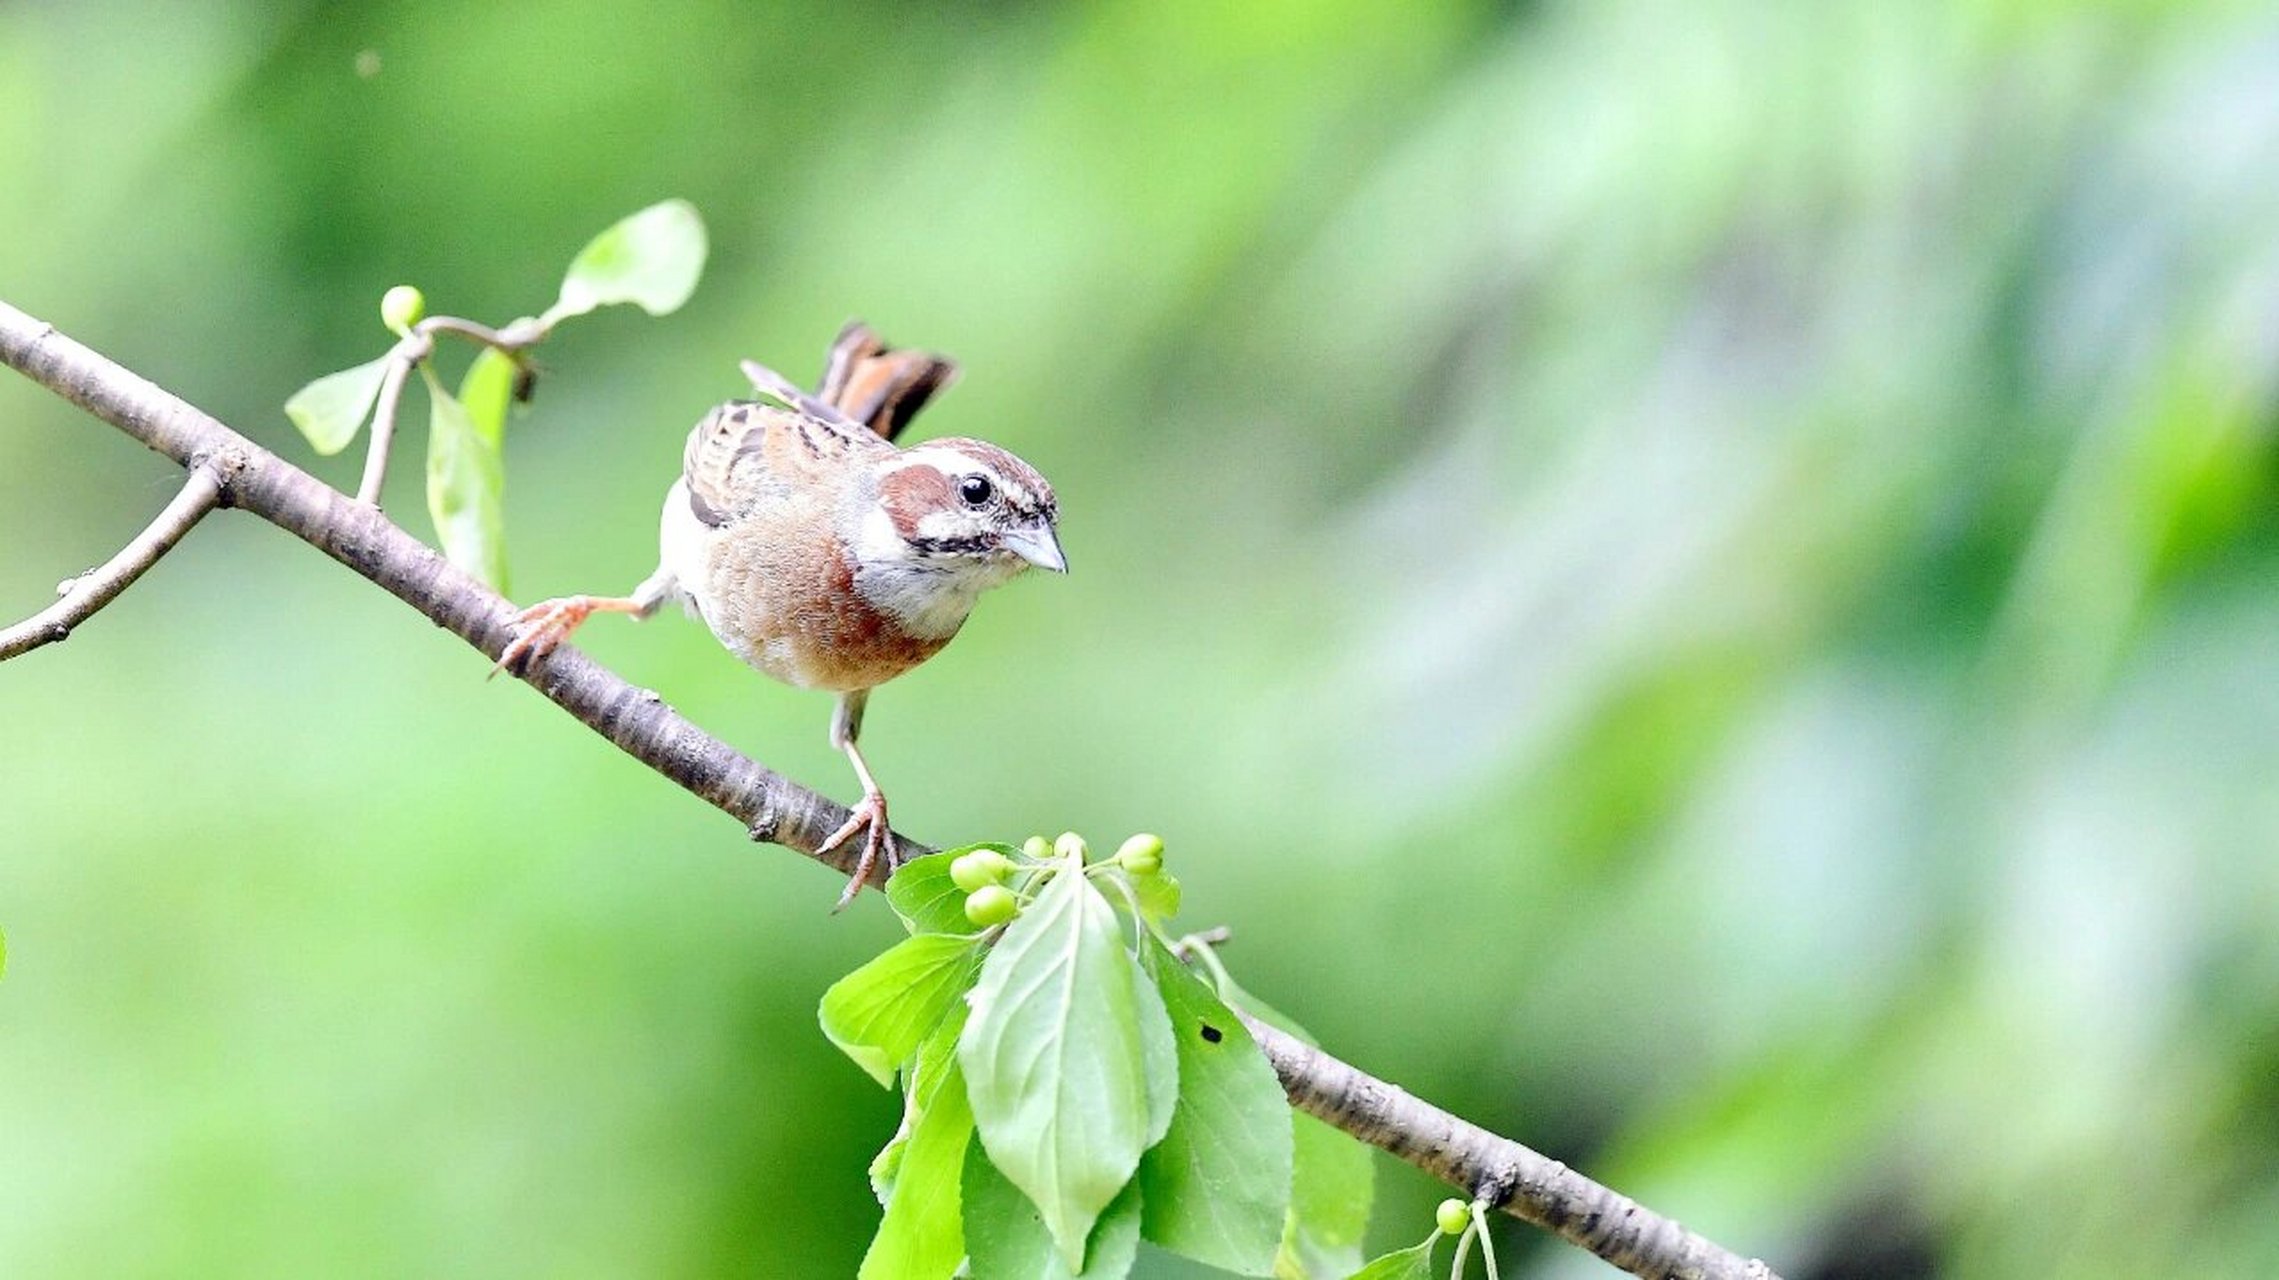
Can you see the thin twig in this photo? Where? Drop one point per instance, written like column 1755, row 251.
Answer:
column 90, row 591
column 384, row 424
column 1494, row 1169
column 415, row 347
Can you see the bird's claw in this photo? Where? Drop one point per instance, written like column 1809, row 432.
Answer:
column 878, row 844
column 542, row 627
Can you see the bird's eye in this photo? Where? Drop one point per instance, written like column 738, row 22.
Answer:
column 975, row 490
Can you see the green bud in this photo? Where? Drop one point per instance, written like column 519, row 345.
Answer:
column 991, row 904
column 1036, row 848
column 1142, row 855
column 1070, row 845
column 1453, row 1215
column 970, row 871
column 402, row 307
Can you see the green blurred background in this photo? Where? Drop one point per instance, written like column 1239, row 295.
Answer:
column 1697, row 583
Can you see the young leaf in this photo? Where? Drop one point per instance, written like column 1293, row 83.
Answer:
column 879, row 1014
column 1007, row 1239
column 1332, row 1181
column 466, row 485
column 331, row 410
column 923, row 895
column 1158, row 895
column 1055, row 1058
column 1331, row 1184
column 1412, row 1263
column 652, row 258
column 922, row 1236
column 1159, row 1056
column 486, row 390
column 1217, row 1187
column 927, row 1072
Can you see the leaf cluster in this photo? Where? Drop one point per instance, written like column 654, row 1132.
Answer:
column 651, row 259
column 1071, row 1088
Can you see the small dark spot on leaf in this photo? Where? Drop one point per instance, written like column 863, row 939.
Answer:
column 1213, row 1034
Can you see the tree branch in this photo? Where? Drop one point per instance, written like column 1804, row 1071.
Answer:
column 1521, row 1182
column 90, row 591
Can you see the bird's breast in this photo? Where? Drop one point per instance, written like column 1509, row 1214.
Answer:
column 778, row 588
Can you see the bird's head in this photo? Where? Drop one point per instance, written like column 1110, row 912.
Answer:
column 951, row 519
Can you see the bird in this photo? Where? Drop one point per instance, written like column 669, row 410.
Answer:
column 824, row 554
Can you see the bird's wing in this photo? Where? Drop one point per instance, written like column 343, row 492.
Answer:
column 877, row 385
column 744, row 453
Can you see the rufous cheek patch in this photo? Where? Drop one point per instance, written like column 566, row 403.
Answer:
column 911, row 493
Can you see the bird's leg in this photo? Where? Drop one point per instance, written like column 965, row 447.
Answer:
column 549, row 622
column 870, row 811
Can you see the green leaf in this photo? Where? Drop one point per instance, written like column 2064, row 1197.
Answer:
column 1159, row 1057
column 1158, row 895
column 1332, row 1180
column 652, row 258
column 486, row 391
column 879, row 1014
column 466, row 485
column 1007, row 1239
column 1217, row 1187
column 1055, row 1055
column 922, row 893
column 922, row 1236
column 928, row 1070
column 331, row 410
column 1412, row 1263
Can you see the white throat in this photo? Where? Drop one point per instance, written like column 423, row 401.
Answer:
column 930, row 598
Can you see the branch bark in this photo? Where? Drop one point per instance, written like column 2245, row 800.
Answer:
column 1521, row 1182
column 90, row 591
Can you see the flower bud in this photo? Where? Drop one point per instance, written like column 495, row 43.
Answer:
column 970, row 871
column 991, row 904
column 1142, row 855
column 402, row 307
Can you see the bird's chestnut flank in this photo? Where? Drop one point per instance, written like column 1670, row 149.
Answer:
column 824, row 555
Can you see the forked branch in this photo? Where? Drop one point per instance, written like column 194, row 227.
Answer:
column 1520, row 1181
column 90, row 591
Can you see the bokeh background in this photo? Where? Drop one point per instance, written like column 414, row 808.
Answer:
column 1697, row 582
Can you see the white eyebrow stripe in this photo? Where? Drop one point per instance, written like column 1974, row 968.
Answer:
column 954, row 463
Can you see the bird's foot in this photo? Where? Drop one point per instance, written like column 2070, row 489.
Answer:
column 543, row 626
column 878, row 844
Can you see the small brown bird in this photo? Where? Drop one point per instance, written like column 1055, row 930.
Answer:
column 822, row 554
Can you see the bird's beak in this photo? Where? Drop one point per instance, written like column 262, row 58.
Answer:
column 1038, row 545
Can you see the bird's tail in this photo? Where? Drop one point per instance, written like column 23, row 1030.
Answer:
column 877, row 385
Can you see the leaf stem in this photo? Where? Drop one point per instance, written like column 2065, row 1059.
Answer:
column 412, row 352
column 1199, row 946
column 1487, row 1241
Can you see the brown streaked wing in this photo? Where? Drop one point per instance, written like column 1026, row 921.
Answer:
column 744, row 453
